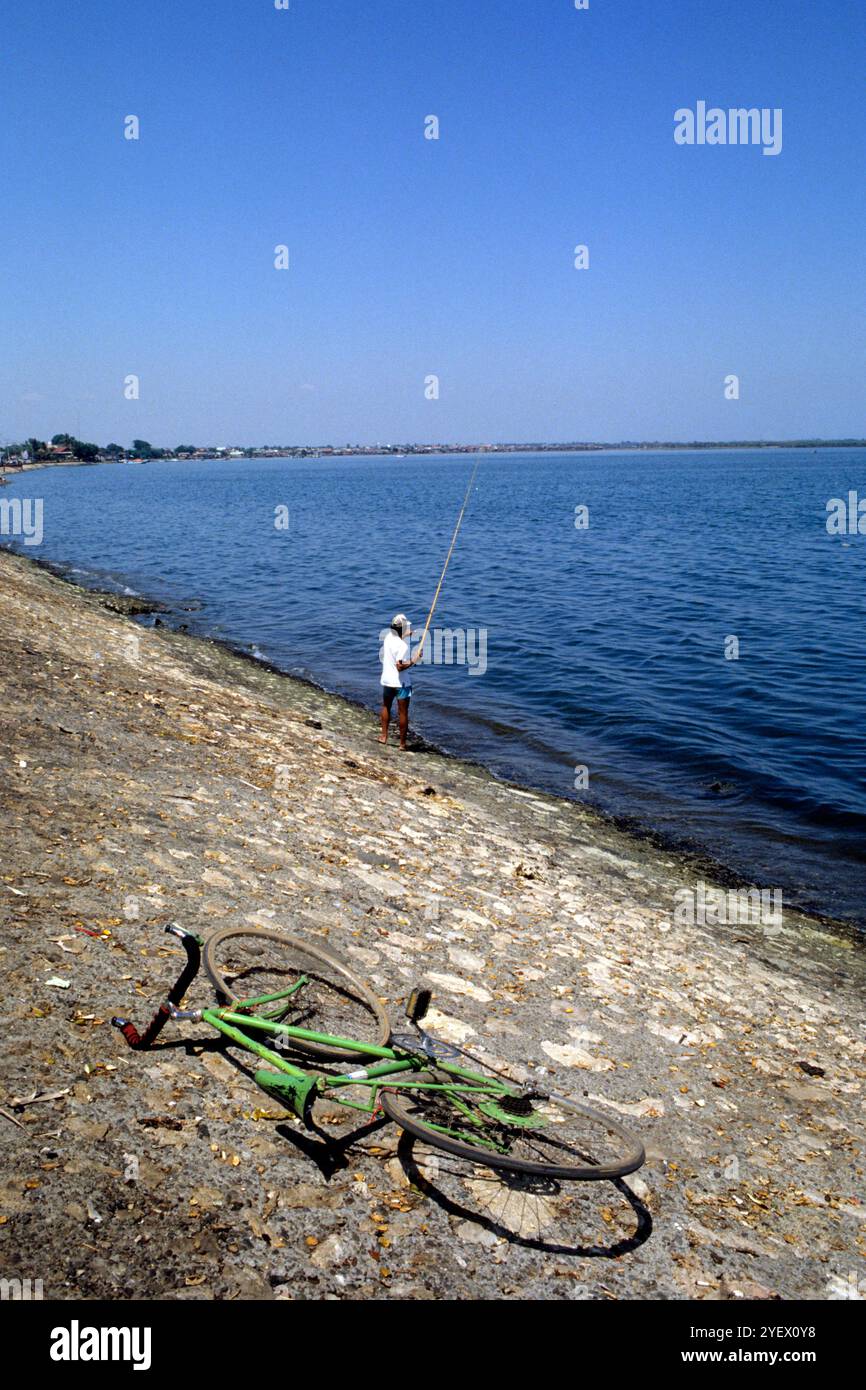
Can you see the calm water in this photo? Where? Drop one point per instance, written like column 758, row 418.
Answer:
column 605, row 647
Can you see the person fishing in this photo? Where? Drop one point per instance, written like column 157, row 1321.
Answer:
column 396, row 683
column 396, row 657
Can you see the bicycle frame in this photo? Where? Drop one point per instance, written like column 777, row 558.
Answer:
column 300, row 1088
column 293, row 1084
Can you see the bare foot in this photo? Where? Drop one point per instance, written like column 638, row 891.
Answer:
column 403, row 748
column 383, row 738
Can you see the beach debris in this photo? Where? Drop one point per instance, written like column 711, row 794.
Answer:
column 77, row 946
column 56, row 982
column 7, row 1115
column 38, row 1097
column 810, row 1069
column 331, row 1251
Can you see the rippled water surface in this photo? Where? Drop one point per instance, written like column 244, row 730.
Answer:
column 605, row 647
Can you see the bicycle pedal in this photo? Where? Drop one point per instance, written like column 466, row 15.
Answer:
column 515, row 1105
column 418, row 1004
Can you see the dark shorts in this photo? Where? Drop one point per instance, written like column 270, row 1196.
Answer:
column 403, row 692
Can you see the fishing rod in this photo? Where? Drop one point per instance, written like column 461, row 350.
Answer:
column 447, row 559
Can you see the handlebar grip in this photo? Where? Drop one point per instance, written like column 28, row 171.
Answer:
column 129, row 1031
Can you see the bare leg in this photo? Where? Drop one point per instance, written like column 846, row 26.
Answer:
column 403, row 721
column 385, row 718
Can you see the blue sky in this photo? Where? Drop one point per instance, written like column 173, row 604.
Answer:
column 412, row 257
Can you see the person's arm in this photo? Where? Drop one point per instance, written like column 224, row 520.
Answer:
column 404, row 665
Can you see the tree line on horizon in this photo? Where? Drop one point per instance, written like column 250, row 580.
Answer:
column 37, row 450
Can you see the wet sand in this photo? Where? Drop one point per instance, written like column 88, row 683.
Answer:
column 150, row 776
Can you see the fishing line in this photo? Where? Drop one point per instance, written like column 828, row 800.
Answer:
column 448, row 558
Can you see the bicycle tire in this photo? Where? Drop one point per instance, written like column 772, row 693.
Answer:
column 396, row 1104
column 334, row 981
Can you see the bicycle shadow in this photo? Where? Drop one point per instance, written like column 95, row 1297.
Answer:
column 321, row 1146
column 333, row 1154
column 527, row 1196
column 330, row 1152
column 525, row 1190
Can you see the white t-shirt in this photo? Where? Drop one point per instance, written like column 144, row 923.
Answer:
column 394, row 649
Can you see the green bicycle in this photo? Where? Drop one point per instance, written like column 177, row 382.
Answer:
column 287, row 1000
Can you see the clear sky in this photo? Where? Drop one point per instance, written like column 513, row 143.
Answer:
column 411, row 257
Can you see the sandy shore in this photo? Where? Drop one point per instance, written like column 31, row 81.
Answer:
column 149, row 776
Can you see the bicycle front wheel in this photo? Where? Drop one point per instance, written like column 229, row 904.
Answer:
column 319, row 990
column 542, row 1135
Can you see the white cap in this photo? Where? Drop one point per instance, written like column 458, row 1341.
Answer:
column 400, row 621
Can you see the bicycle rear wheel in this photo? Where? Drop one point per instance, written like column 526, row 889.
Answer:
column 326, row 996
column 543, row 1135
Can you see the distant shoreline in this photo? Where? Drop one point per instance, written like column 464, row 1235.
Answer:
column 444, row 450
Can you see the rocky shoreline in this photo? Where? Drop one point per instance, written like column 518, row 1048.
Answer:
column 150, row 776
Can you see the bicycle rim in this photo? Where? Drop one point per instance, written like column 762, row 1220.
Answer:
column 557, row 1138
column 327, row 996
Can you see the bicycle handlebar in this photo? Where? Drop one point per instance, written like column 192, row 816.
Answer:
column 140, row 1041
